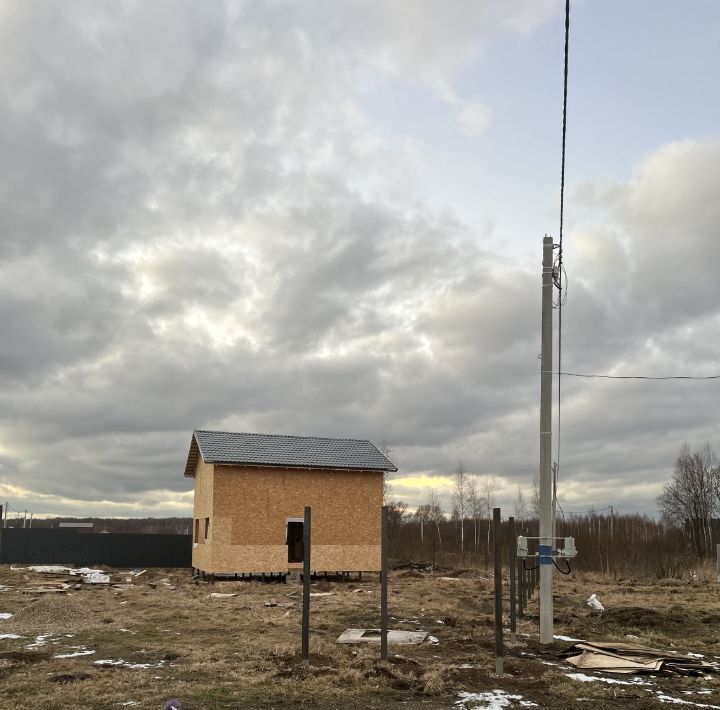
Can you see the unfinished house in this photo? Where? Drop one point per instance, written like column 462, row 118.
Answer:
column 250, row 495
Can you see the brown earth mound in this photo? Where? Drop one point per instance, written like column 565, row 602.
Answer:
column 643, row 618
column 52, row 614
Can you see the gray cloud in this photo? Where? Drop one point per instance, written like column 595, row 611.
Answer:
column 201, row 228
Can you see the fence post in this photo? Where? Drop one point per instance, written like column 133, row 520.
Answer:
column 521, row 587
column 498, row 593
column 717, row 553
column 383, row 583
column 511, row 564
column 306, row 588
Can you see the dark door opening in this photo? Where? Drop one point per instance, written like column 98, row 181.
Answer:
column 294, row 542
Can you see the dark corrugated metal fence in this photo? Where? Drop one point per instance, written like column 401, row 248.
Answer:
column 43, row 546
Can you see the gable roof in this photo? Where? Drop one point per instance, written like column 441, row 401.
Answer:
column 285, row 451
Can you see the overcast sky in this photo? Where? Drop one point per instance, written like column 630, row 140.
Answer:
column 326, row 218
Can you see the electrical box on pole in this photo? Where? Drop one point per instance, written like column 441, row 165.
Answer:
column 568, row 551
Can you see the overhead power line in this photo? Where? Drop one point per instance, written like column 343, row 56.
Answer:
column 641, row 377
column 560, row 266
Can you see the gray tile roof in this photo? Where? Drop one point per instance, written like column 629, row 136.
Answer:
column 280, row 450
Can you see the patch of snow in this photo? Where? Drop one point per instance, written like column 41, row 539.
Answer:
column 120, row 663
column 566, row 638
column 9, row 636
column 492, row 700
column 466, row 665
column 583, row 678
column 5, row 615
column 433, row 640
column 87, row 652
column 696, row 655
column 40, row 641
column 679, row 701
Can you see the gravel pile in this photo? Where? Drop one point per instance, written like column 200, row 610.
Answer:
column 53, row 613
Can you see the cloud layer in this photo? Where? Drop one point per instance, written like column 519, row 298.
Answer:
column 203, row 227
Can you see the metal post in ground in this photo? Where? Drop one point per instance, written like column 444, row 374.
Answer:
column 383, row 583
column 306, row 588
column 511, row 564
column 498, row 593
column 521, row 587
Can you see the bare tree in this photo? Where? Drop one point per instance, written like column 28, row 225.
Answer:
column 487, row 489
column 535, row 500
column 386, row 451
column 691, row 499
column 397, row 516
column 431, row 512
column 460, row 501
column 475, row 506
column 521, row 508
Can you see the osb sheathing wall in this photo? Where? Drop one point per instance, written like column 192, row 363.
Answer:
column 203, row 509
column 251, row 506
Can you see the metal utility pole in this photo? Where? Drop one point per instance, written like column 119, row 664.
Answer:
column 546, row 480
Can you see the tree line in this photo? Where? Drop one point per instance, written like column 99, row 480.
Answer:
column 688, row 528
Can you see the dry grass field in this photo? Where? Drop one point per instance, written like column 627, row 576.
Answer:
column 162, row 636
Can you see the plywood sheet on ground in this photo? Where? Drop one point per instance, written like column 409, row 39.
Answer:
column 399, row 637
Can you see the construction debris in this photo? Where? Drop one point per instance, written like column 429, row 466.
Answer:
column 96, row 577
column 617, row 657
column 373, row 636
column 48, row 588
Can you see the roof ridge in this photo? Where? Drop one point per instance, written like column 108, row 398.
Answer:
column 282, row 436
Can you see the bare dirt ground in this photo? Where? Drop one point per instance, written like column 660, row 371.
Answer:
column 161, row 637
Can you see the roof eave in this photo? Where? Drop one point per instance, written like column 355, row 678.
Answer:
column 301, row 468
